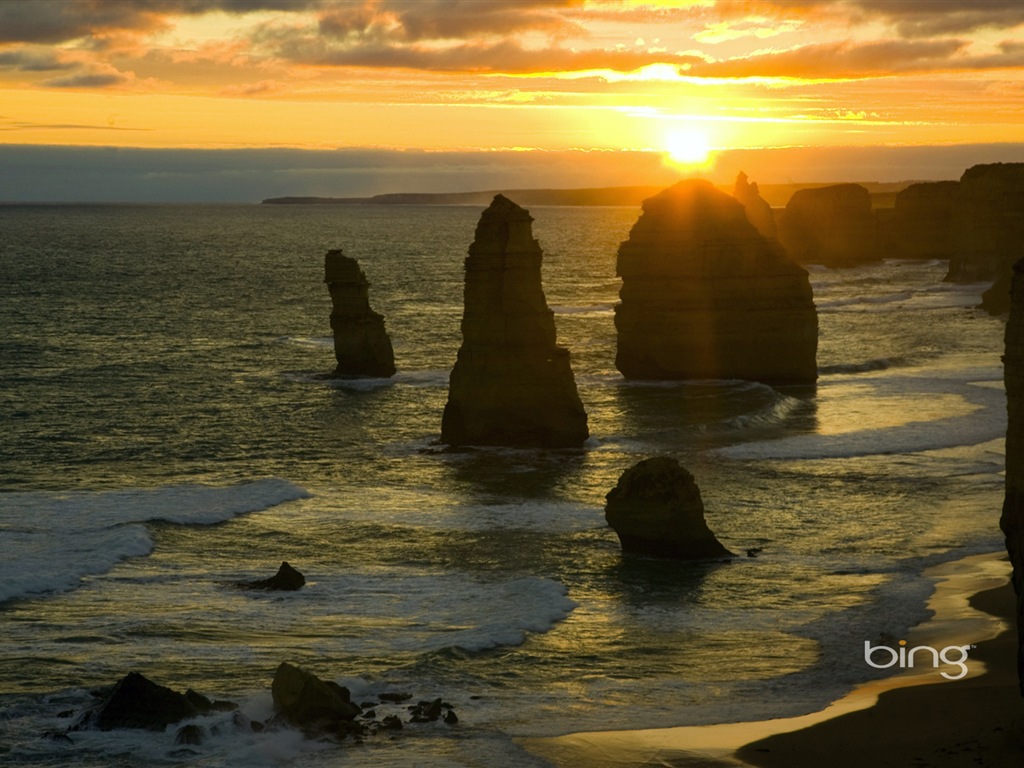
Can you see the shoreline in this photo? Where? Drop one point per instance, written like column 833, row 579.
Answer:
column 914, row 717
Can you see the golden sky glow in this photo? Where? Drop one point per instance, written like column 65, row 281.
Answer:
column 494, row 74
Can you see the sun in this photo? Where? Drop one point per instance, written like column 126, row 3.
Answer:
column 687, row 146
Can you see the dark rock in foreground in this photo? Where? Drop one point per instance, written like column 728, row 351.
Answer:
column 361, row 344
column 706, row 296
column 1012, row 519
column 511, row 384
column 832, row 225
column 656, row 509
column 286, row 579
column 137, row 702
column 314, row 706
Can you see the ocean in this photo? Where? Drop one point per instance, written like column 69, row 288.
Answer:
column 168, row 431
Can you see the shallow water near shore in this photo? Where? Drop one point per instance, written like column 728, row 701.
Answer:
column 168, row 432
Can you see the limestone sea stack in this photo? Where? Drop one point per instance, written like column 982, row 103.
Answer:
column 706, row 296
column 361, row 344
column 1012, row 520
column 832, row 225
column 759, row 213
column 922, row 221
column 988, row 222
column 511, row 384
column 656, row 509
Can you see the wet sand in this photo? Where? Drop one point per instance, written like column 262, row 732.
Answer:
column 915, row 719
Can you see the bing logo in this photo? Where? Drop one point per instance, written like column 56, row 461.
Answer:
column 954, row 655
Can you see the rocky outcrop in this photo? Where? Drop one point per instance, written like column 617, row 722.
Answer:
column 511, row 384
column 759, row 213
column 656, row 509
column 286, row 579
column 988, row 223
column 921, row 224
column 705, row 296
column 361, row 345
column 831, row 225
column 314, row 706
column 1012, row 519
column 137, row 702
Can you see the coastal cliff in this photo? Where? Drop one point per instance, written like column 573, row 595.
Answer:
column 361, row 344
column 705, row 296
column 511, row 384
column 921, row 225
column 1012, row 519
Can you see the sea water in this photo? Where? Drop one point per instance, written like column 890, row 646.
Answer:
column 167, row 432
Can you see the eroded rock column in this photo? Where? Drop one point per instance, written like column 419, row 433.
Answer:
column 361, row 344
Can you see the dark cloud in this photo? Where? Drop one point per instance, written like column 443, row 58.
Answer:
column 27, row 60
column 55, row 21
column 417, row 20
column 838, row 60
column 912, row 18
column 88, row 80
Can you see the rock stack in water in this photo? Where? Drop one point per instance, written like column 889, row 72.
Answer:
column 833, row 225
column 511, row 385
column 988, row 224
column 705, row 296
column 1012, row 520
column 361, row 345
column 759, row 213
column 922, row 221
column 656, row 510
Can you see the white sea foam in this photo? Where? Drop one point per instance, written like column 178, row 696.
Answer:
column 50, row 542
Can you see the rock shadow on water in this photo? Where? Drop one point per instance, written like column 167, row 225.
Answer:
column 498, row 473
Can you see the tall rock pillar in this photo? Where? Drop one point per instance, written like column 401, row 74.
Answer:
column 361, row 345
column 511, row 384
column 1012, row 520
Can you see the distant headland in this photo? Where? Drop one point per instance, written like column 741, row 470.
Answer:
column 883, row 195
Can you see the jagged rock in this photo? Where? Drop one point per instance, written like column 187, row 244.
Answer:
column 920, row 226
column 656, row 509
column 511, row 384
column 315, row 706
column 361, row 345
column 137, row 702
column 1012, row 520
column 759, row 213
column 988, row 222
column 705, row 296
column 286, row 579
column 831, row 225
column 190, row 734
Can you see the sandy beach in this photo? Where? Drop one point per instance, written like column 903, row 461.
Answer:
column 915, row 718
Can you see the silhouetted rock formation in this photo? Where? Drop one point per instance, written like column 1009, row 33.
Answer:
column 832, row 225
column 137, row 702
column 361, row 345
column 1012, row 520
column 921, row 224
column 511, row 384
column 656, row 509
column 759, row 213
column 988, row 222
column 286, row 579
column 705, row 296
column 314, row 706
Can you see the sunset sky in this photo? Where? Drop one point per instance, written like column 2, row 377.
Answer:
column 626, row 89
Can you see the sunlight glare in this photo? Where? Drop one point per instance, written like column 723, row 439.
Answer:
column 687, row 146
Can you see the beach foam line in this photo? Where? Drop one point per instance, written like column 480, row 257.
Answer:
column 954, row 622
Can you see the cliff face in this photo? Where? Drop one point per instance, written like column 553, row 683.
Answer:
column 988, row 222
column 361, row 345
column 1012, row 520
column 834, row 226
column 921, row 226
column 759, row 213
column 705, row 296
column 511, row 384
